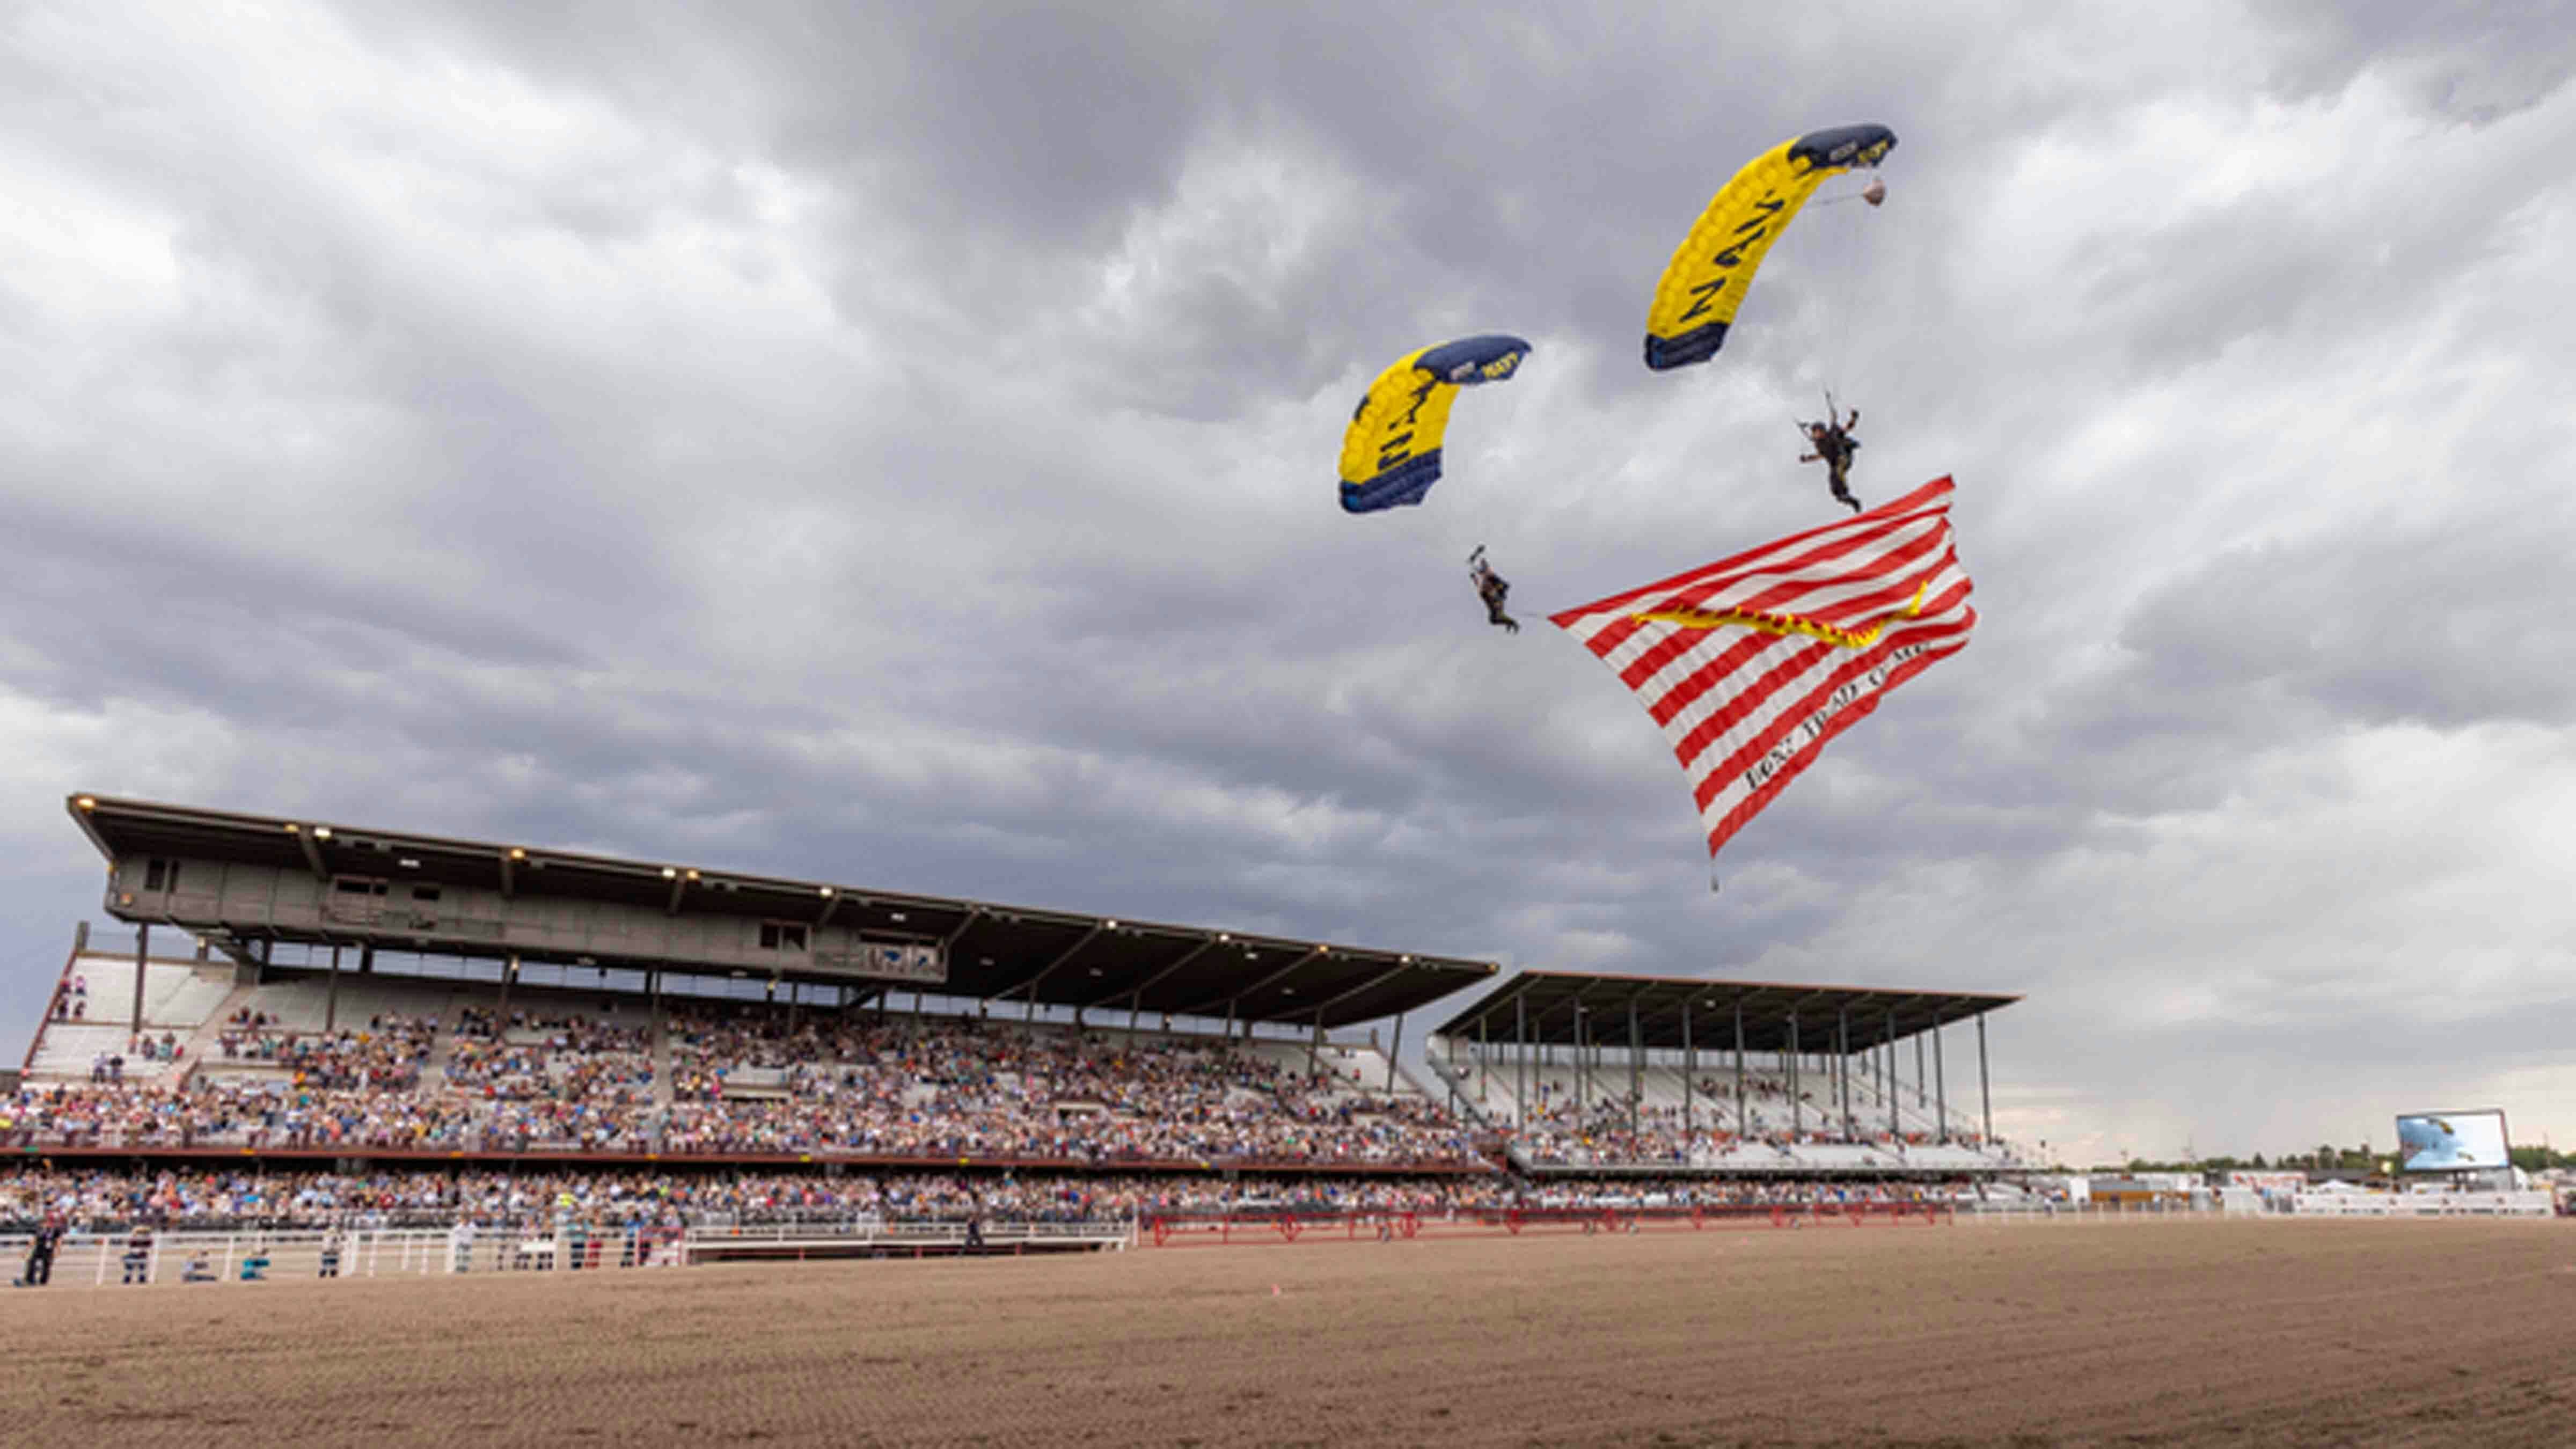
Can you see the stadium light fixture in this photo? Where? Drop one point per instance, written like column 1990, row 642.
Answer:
column 294, row 829
column 825, row 892
column 693, row 875
column 517, row 854
column 1109, row 925
column 1222, row 936
column 408, row 863
column 895, row 916
column 321, row 832
column 669, row 874
column 87, row 802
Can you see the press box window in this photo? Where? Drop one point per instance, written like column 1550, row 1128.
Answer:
column 781, row 936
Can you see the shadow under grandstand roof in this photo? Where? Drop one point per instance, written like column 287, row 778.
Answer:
column 990, row 951
column 1567, row 1008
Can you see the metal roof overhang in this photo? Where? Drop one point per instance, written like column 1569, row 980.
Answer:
column 1555, row 1008
column 1053, row 958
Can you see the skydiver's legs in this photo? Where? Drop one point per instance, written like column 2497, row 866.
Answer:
column 1838, row 477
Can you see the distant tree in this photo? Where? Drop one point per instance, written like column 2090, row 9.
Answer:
column 2257, row 1163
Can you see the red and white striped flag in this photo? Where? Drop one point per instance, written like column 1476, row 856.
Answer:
column 1751, row 664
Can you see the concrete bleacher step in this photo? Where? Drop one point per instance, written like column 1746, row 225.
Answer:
column 65, row 1051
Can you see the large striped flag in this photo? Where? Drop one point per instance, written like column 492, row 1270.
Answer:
column 1751, row 664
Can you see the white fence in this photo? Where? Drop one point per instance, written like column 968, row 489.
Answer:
column 117, row 1260
column 2424, row 1204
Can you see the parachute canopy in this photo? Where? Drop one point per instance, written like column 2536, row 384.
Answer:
column 1753, row 663
column 1391, row 455
column 1696, row 300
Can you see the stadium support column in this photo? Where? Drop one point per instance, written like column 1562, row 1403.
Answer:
column 1636, row 1070
column 1797, row 1107
column 142, row 954
column 1690, row 1073
column 509, row 973
column 1985, row 1089
column 1842, row 1070
column 1393, row 1050
column 1484, row 1072
column 1742, row 1129
column 1314, row 1045
column 1940, row 1082
column 1888, row 1085
column 331, row 994
column 1520, row 1061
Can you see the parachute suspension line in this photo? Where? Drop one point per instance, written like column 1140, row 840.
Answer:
column 1843, row 272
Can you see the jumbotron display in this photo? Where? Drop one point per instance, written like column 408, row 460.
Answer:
column 2452, row 1141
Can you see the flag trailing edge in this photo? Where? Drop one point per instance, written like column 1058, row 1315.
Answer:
column 1751, row 665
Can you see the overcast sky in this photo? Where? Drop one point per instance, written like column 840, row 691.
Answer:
column 896, row 443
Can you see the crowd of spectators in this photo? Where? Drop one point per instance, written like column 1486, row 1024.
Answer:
column 386, row 1056
column 1564, row 1129
column 231, row 1196
column 749, row 1083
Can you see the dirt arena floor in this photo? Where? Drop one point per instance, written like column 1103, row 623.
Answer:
column 2455, row 1332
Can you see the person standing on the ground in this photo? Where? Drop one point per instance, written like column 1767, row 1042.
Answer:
column 40, row 1252
column 138, row 1253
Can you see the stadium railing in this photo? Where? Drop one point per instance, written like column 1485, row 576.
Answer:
column 1288, row 1225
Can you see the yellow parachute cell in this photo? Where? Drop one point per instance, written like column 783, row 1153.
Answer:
column 1391, row 455
column 1696, row 300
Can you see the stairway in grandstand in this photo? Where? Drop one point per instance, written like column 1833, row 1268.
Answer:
column 660, row 1040
column 179, row 998
column 442, row 1045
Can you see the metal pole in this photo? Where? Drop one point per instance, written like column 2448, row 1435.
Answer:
column 1520, row 1061
column 142, row 954
column 1314, row 1044
column 1797, row 1107
column 1393, row 1050
column 331, row 994
column 1690, row 1072
column 1484, row 1069
column 1889, row 1086
column 1984, row 1090
column 1636, row 1070
column 1743, row 1127
column 1842, row 1068
column 509, row 973
column 1918, row 1066
column 1940, row 1082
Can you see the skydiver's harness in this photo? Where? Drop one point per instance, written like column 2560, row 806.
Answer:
column 1834, row 449
column 1491, row 587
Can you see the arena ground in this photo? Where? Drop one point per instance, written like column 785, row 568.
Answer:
column 2248, row 1332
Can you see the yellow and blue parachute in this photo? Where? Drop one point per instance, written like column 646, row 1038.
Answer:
column 1696, row 300
column 1391, row 455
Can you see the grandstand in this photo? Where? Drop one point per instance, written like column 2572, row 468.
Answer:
column 1639, row 1074
column 418, row 1029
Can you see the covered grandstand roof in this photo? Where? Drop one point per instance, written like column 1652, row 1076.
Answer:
column 1050, row 957
column 1565, row 1008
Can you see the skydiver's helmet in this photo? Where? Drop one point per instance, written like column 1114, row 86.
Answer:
column 1818, row 432
column 1875, row 192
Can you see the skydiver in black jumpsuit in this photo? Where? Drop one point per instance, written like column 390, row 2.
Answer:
column 1834, row 446
column 1492, row 589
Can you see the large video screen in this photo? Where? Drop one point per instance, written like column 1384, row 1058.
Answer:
column 2451, row 1141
